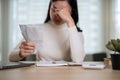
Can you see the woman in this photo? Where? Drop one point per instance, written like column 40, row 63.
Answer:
column 62, row 40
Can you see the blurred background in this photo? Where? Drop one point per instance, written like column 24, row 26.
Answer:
column 99, row 20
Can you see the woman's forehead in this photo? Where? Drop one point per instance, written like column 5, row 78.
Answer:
column 60, row 4
column 57, row 0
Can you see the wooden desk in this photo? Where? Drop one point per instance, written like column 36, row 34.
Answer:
column 58, row 73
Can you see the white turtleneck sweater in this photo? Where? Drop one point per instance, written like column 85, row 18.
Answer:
column 58, row 43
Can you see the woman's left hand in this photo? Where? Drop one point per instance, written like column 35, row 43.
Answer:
column 65, row 15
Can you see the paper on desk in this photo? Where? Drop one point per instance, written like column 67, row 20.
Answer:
column 32, row 33
column 56, row 63
column 93, row 65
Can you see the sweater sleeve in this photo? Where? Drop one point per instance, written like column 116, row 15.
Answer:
column 76, row 45
column 14, row 54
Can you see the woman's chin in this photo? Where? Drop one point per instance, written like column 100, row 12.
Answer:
column 58, row 22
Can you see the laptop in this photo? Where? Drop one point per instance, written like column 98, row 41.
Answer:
column 5, row 64
column 11, row 65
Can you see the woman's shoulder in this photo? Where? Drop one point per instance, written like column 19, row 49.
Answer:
column 34, row 25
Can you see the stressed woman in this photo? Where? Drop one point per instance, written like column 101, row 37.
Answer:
column 62, row 39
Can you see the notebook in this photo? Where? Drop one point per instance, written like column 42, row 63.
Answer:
column 57, row 63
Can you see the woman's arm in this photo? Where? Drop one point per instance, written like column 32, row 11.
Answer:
column 76, row 45
column 14, row 54
column 23, row 50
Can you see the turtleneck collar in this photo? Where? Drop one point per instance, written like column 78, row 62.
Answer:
column 61, row 26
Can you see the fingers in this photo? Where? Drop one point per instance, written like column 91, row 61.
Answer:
column 32, row 44
column 62, row 12
column 27, row 45
column 57, row 10
column 27, row 48
column 22, row 54
column 26, row 51
column 62, row 9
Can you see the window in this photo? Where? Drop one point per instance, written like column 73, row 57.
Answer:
column 90, row 21
column 26, row 12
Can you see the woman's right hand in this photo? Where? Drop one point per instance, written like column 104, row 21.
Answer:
column 26, row 48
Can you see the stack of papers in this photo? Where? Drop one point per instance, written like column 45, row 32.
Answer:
column 56, row 63
column 33, row 33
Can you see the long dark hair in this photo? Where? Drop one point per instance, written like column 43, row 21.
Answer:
column 74, row 14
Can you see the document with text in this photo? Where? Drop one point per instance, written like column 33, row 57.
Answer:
column 57, row 63
column 32, row 33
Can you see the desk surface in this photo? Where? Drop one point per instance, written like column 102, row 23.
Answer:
column 58, row 73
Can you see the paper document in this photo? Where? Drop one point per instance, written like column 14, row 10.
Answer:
column 32, row 33
column 56, row 63
column 93, row 65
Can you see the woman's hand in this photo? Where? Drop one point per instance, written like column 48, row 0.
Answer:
column 26, row 48
column 65, row 15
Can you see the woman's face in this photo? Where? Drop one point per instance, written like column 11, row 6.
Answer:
column 56, row 6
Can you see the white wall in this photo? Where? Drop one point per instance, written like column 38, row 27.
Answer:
column 108, row 22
